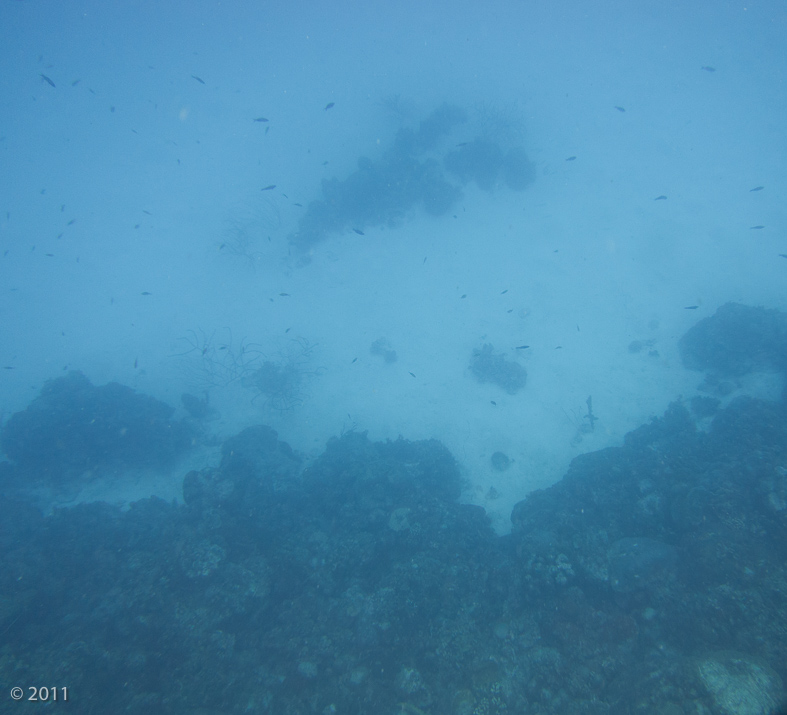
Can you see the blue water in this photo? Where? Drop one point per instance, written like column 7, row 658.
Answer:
column 160, row 166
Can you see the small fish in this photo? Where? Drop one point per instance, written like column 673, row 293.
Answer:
column 261, row 119
column 756, row 228
column 136, row 362
column 425, row 257
column 461, row 144
column 510, row 311
column 504, row 292
column 48, row 81
column 75, row 82
column 199, row 79
column 781, row 255
column 708, row 68
column 690, row 307
column 137, row 225
column 359, row 232
column 287, row 331
column 327, row 106
column 8, row 367
column 558, row 347
column 268, row 188
column 300, row 205
column 354, row 361
column 71, row 222
column 464, row 295
column 571, row 158
column 284, row 295
column 757, row 188
column 521, row 347
column 660, row 198
column 146, row 212
column 145, row 292
column 412, row 374
column 493, row 402
column 620, row 109
column 51, row 255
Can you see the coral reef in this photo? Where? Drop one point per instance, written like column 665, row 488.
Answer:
column 490, row 366
column 280, row 383
column 737, row 339
column 74, row 426
column 645, row 581
column 500, row 461
column 277, row 378
column 411, row 174
column 383, row 348
column 486, row 163
column 650, row 579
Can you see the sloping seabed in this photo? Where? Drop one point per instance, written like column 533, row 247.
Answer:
column 650, row 579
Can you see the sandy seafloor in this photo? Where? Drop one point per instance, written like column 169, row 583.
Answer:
column 589, row 259
column 585, row 285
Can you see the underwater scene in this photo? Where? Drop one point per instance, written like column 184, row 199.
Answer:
column 416, row 358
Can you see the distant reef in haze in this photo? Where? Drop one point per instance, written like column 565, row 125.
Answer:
column 416, row 171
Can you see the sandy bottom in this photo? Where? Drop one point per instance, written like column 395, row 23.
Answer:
column 600, row 303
